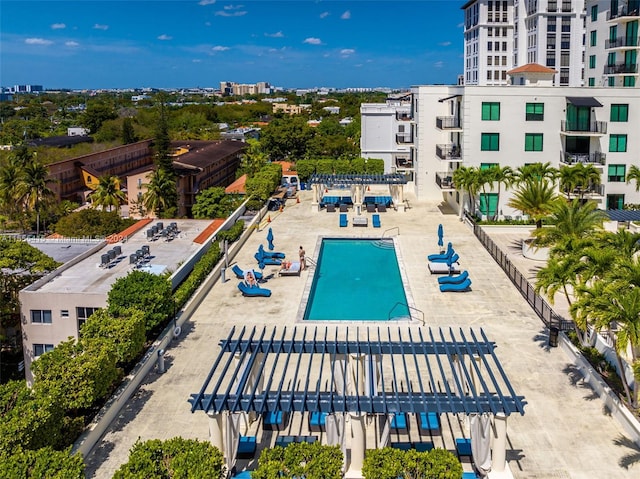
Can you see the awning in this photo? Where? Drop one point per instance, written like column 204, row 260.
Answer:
column 441, row 100
column 623, row 215
column 358, row 179
column 361, row 370
column 583, row 101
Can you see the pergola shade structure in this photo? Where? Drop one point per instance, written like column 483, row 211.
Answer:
column 362, row 370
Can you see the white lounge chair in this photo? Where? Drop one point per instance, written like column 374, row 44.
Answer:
column 443, row 268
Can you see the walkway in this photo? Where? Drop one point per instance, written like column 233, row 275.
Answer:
column 564, row 433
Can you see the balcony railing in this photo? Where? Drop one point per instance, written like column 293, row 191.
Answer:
column 403, row 116
column 404, row 138
column 444, row 180
column 631, row 10
column 592, row 127
column 591, row 190
column 449, row 152
column 596, row 158
column 621, row 42
column 402, row 162
column 447, row 122
column 620, row 68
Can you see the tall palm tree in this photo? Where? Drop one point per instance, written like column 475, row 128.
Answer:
column 10, row 178
column 502, row 176
column 34, row 190
column 161, row 192
column 634, row 174
column 535, row 172
column 485, row 177
column 571, row 221
column 108, row 194
column 587, row 176
column 568, row 179
column 466, row 179
column 535, row 198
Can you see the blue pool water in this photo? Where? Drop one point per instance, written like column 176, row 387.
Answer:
column 356, row 279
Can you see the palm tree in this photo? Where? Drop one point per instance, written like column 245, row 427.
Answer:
column 34, row 190
column 535, row 198
column 634, row 174
column 569, row 180
column 10, row 178
column 503, row 176
column 535, row 171
column 466, row 179
column 587, row 177
column 571, row 221
column 108, row 193
column 161, row 192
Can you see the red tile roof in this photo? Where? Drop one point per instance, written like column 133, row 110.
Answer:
column 237, row 186
column 124, row 235
column 208, row 231
column 531, row 68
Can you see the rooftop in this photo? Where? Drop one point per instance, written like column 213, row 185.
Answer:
column 87, row 276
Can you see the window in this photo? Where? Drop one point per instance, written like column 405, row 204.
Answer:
column 619, row 112
column 611, row 81
column 64, row 313
column 486, row 166
column 594, row 38
column 615, row 202
column 83, row 314
column 592, row 61
column 611, row 58
column 533, row 142
column 489, row 204
column 618, row 143
column 629, row 81
column 42, row 316
column 490, row 142
column 566, row 24
column 594, row 13
column 592, row 82
column 40, row 349
column 490, row 111
column 617, row 173
column 535, row 112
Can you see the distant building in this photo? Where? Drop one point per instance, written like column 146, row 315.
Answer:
column 27, row 88
column 77, row 131
column 241, row 134
column 241, row 89
column 137, row 98
column 290, row 109
column 334, row 110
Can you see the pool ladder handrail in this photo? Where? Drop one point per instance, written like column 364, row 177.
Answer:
column 408, row 307
column 310, row 261
column 391, row 229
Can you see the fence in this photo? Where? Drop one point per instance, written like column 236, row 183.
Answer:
column 548, row 316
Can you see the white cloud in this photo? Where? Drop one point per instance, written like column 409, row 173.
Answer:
column 72, row 44
column 312, row 41
column 444, row 44
column 222, row 13
column 345, row 52
column 206, row 2
column 324, row 14
column 164, row 37
column 97, row 26
column 233, row 7
column 38, row 41
column 196, row 60
column 274, row 35
column 346, row 15
column 220, row 48
column 438, row 64
column 58, row 26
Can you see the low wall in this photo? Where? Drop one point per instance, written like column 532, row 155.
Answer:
column 94, row 431
column 618, row 410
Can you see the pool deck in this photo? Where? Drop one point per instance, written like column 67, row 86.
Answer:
column 564, row 433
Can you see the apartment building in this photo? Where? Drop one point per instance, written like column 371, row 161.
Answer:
column 500, row 35
column 613, row 43
column 240, row 89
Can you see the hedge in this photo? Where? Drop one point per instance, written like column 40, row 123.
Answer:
column 200, row 271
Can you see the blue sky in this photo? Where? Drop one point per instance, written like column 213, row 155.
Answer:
column 199, row 43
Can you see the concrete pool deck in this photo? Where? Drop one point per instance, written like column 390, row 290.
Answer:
column 564, row 433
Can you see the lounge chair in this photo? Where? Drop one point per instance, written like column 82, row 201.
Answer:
column 444, row 255
column 399, row 421
column 270, row 254
column 276, row 420
column 317, row 421
column 239, row 272
column 448, row 259
column 403, row 446
column 247, row 447
column 293, row 270
column 423, row 446
column 463, row 446
column 470, row 475
column 331, row 208
column 382, row 208
column 371, row 208
column 429, row 422
column 344, row 208
column 454, row 279
column 444, row 268
column 253, row 291
column 343, row 220
column 375, row 219
column 456, row 288
column 263, row 260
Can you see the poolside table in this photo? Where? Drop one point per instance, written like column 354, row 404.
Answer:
column 360, row 221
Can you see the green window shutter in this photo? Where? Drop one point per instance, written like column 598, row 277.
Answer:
column 490, row 142
column 612, row 81
column 489, row 203
column 617, row 173
column 629, row 81
column 594, row 13
column 618, row 143
column 533, row 142
column 592, row 61
column 594, row 38
column 611, row 58
column 486, row 111
column 486, row 166
column 535, row 111
column 613, row 33
column 592, row 82
column 491, row 111
column 619, row 112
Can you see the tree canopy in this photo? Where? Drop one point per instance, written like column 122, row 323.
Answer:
column 214, row 203
column 91, row 223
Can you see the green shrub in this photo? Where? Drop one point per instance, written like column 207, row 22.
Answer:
column 255, row 204
column 390, row 463
column 126, row 332
column 308, row 460
column 232, row 233
column 42, row 463
column 200, row 271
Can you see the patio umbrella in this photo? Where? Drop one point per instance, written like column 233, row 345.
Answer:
column 440, row 235
column 270, row 239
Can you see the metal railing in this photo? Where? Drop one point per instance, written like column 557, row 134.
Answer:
column 390, row 317
column 597, row 158
column 447, row 122
column 449, row 151
column 391, row 229
column 621, row 42
column 445, row 180
column 548, row 316
column 590, row 127
column 619, row 68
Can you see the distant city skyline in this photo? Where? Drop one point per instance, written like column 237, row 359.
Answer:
column 199, row 43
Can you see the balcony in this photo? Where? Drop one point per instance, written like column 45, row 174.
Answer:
column 620, row 68
column 591, row 190
column 621, row 42
column 576, row 128
column 444, row 180
column 630, row 10
column 449, row 152
column 403, row 163
column 404, row 138
column 596, row 158
column 403, row 116
column 448, row 123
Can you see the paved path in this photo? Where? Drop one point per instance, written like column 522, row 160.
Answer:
column 565, row 433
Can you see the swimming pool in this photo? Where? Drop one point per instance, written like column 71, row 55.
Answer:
column 356, row 280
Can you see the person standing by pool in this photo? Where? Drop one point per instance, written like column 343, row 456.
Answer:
column 302, row 262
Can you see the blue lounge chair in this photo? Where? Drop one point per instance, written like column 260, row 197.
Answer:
column 263, row 260
column 270, row 254
column 343, row 220
column 403, row 446
column 448, row 259
column 429, row 422
column 463, row 446
column 444, row 255
column 456, row 288
column 317, row 420
column 423, row 446
column 246, row 447
column 454, row 279
column 375, row 219
column 253, row 290
column 239, row 272
column 470, row 475
column 399, row 421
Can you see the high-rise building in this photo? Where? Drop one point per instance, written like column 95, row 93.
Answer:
column 500, row 35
